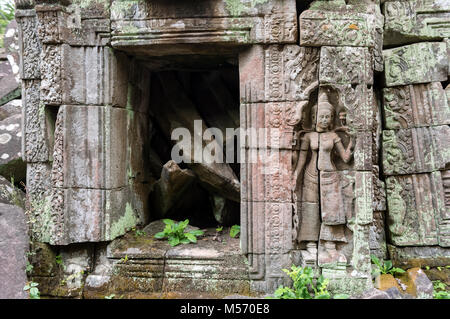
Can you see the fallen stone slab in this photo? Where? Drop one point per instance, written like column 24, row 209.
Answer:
column 11, row 195
column 373, row 294
column 9, row 86
column 11, row 108
column 13, row 247
column 170, row 188
column 11, row 44
column 173, row 109
column 11, row 164
column 417, row 283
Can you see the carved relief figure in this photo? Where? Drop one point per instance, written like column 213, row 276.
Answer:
column 320, row 212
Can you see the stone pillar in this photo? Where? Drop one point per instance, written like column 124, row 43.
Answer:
column 273, row 93
column 349, row 38
column 82, row 142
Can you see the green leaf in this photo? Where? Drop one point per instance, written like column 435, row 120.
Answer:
column 196, row 232
column 168, row 222
column 397, row 270
column 191, row 237
column 26, row 287
column 34, row 284
column 341, row 296
column 160, row 235
column 185, row 241
column 184, row 224
column 219, row 228
column 235, row 229
column 173, row 241
column 375, row 260
column 388, row 264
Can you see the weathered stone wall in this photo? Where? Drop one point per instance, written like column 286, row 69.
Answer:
column 378, row 67
column 80, row 120
column 415, row 139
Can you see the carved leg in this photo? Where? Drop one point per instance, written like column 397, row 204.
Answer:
column 309, row 256
column 332, row 255
column 330, row 236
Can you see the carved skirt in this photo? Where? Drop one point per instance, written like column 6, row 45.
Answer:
column 310, row 213
column 333, row 233
column 331, row 202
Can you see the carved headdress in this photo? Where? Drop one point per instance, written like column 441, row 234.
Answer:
column 324, row 104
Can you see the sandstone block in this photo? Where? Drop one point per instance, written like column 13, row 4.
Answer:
column 414, row 21
column 416, row 213
column 417, row 283
column 93, row 76
column 345, row 65
column 30, row 45
column 415, row 106
column 9, row 82
column 278, row 73
column 416, row 150
column 11, row 195
column 266, row 175
column 13, row 248
column 11, row 108
column 416, row 63
column 337, row 28
column 80, row 130
column 419, row 256
column 11, row 164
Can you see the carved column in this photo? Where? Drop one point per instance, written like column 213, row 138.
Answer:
column 349, row 38
column 273, row 82
column 85, row 179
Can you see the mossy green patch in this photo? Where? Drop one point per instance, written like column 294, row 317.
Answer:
column 127, row 221
column 237, row 7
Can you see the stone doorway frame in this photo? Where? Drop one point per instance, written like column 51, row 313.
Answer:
column 57, row 40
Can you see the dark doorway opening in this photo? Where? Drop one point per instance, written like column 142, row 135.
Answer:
column 182, row 91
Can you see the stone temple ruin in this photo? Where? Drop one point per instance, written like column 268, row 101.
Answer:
column 354, row 95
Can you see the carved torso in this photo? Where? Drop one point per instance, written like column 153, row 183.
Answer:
column 327, row 142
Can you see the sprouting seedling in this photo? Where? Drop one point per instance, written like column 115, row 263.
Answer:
column 384, row 267
column 176, row 234
column 32, row 289
column 235, row 230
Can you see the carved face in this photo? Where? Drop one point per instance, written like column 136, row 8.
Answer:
column 324, row 119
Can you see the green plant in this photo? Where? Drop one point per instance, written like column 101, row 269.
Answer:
column 29, row 267
column 6, row 15
column 440, row 290
column 176, row 234
column 235, row 230
column 304, row 286
column 219, row 229
column 137, row 232
column 110, row 296
column 384, row 267
column 71, row 278
column 58, row 260
column 124, row 260
column 12, row 194
column 32, row 289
